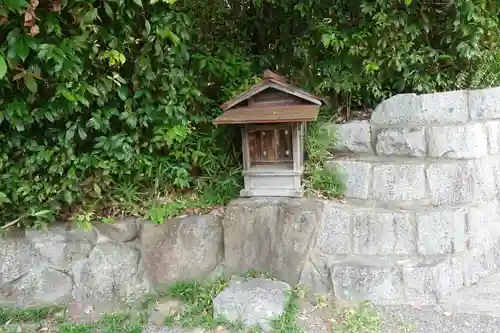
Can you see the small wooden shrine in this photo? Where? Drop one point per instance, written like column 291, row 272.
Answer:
column 272, row 115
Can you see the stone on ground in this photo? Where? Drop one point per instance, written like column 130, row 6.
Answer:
column 254, row 302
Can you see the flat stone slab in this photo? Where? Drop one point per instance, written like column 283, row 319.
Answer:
column 432, row 320
column 482, row 298
column 255, row 302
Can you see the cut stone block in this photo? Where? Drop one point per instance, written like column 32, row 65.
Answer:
column 451, row 183
column 437, row 108
column 484, row 224
column 398, row 182
column 420, row 283
column 466, row 141
column 493, row 131
column 445, row 107
column 441, row 231
column 255, row 302
column 355, row 282
column 398, row 109
column 484, row 103
column 383, row 233
column 40, row 287
column 479, row 263
column 401, row 142
column 356, row 176
column 334, row 236
column 486, row 177
column 123, row 230
column 353, row 137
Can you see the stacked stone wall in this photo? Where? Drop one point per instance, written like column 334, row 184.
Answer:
column 423, row 179
column 420, row 219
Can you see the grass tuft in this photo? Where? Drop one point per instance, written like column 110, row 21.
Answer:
column 17, row 315
column 197, row 297
column 287, row 322
column 362, row 317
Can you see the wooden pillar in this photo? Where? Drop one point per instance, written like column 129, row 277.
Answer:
column 244, row 148
column 296, row 147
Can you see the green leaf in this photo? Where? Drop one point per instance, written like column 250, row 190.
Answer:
column 68, row 95
column 138, row 2
column 4, row 198
column 41, row 213
column 22, row 49
column 123, row 93
column 93, row 90
column 97, row 189
column 3, row 67
column 31, row 84
column 108, row 10
column 70, row 133
column 147, row 27
column 82, row 133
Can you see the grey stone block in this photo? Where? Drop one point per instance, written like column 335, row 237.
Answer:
column 484, row 103
column 398, row 182
column 441, row 231
column 398, row 109
column 255, row 302
column 270, row 235
column 465, row 141
column 356, row 176
column 179, row 249
column 61, row 246
column 445, row 107
column 17, row 257
column 486, row 173
column 355, row 282
column 40, row 287
column 483, row 224
column 477, row 264
column 314, row 277
column 123, row 230
column 420, row 283
column 450, row 276
column 113, row 272
column 451, row 183
column 353, row 136
column 427, row 282
column 383, row 233
column 408, row 141
column 493, row 131
column 334, row 236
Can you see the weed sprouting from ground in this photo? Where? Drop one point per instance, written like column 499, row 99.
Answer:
column 320, row 178
column 14, row 315
column 287, row 322
column 362, row 317
column 197, row 297
column 51, row 319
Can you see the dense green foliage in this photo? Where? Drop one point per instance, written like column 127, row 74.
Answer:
column 108, row 103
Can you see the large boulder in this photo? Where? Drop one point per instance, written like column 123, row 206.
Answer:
column 270, row 235
column 62, row 245
column 111, row 275
column 17, row 257
column 181, row 249
column 123, row 230
column 254, row 302
column 38, row 287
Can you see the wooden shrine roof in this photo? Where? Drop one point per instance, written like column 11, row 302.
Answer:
column 272, row 80
column 235, row 113
column 269, row 114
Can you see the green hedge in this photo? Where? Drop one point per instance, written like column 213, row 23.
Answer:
column 107, row 104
